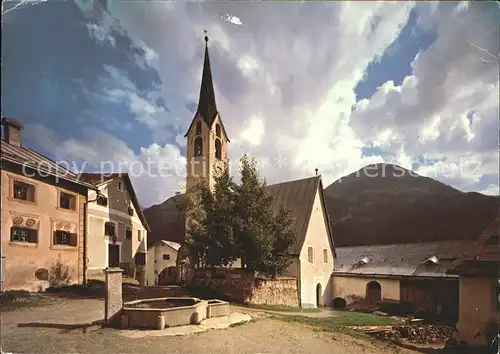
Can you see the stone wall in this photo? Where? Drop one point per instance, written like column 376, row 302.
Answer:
column 239, row 286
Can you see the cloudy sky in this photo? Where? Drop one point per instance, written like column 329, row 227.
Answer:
column 299, row 86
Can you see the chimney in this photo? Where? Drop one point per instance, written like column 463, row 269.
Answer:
column 12, row 131
column 316, row 170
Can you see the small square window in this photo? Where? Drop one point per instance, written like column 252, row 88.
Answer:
column 102, row 200
column 109, row 229
column 24, row 191
column 139, row 237
column 128, row 233
column 21, row 234
column 67, row 201
column 64, row 238
column 310, row 255
column 166, row 257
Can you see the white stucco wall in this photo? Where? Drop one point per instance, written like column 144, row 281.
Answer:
column 317, row 272
column 477, row 310
column 352, row 288
column 98, row 215
column 156, row 262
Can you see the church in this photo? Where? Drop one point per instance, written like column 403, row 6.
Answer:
column 207, row 147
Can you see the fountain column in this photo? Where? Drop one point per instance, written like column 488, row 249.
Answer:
column 113, row 301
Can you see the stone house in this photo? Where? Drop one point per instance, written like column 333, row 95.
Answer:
column 479, row 284
column 43, row 211
column 413, row 275
column 162, row 261
column 117, row 228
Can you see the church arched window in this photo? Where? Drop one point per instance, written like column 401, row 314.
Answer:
column 217, row 130
column 198, row 128
column 198, row 146
column 218, row 149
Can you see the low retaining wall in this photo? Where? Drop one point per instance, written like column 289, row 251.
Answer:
column 240, row 286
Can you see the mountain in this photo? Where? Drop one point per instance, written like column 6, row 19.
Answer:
column 384, row 203
column 166, row 221
column 379, row 204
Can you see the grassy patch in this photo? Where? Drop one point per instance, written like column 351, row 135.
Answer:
column 341, row 321
column 282, row 308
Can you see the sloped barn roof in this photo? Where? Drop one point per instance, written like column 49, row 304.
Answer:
column 427, row 259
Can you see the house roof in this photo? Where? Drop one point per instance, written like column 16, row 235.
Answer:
column 99, row 179
column 300, row 195
column 400, row 260
column 483, row 255
column 207, row 107
column 23, row 156
column 176, row 246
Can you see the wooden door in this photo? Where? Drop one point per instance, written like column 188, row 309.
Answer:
column 114, row 256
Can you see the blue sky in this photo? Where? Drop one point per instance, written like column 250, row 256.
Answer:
column 333, row 86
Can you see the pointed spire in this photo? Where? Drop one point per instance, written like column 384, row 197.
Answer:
column 207, row 107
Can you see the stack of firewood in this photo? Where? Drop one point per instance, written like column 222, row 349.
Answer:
column 414, row 333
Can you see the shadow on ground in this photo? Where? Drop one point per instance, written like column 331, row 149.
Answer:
column 66, row 327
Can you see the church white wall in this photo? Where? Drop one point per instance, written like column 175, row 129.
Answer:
column 318, row 271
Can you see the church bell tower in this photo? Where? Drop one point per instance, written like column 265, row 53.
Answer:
column 206, row 137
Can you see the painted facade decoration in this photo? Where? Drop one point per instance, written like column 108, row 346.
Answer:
column 43, row 228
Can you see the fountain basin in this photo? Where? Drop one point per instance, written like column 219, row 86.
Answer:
column 159, row 313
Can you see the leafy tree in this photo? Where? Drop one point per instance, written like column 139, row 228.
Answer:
column 194, row 207
column 264, row 239
column 234, row 221
column 219, row 206
column 283, row 237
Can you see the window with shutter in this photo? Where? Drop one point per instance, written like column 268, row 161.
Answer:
column 64, row 238
column 325, row 255
column 67, row 201
column 139, row 237
column 128, row 233
column 109, row 229
column 73, row 239
column 102, row 200
column 22, row 234
column 24, row 191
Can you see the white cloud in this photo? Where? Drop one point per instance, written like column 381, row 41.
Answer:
column 254, row 131
column 115, row 86
column 100, row 34
column 492, row 189
column 299, row 78
column 232, row 19
column 429, row 112
column 147, row 58
column 156, row 170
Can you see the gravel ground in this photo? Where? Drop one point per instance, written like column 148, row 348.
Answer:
column 22, row 332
